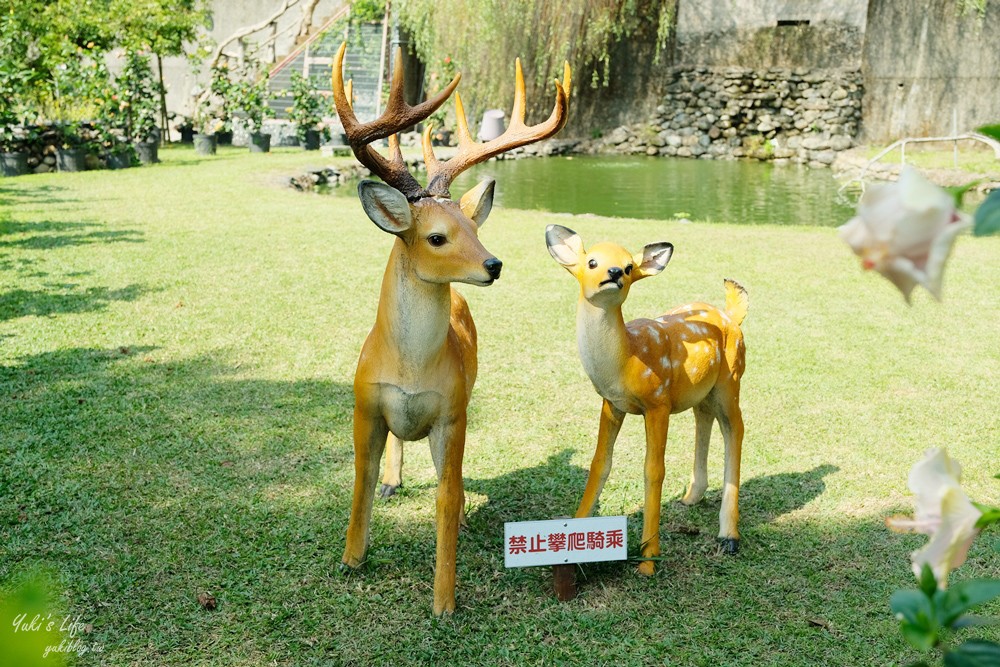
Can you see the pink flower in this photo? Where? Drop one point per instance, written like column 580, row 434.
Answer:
column 905, row 231
column 943, row 511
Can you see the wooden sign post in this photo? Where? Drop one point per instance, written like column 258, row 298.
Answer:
column 562, row 543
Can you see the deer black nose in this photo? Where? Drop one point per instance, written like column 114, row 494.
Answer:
column 493, row 266
column 615, row 273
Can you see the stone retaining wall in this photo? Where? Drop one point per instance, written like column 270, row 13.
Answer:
column 801, row 116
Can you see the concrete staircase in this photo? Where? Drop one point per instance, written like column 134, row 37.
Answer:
column 314, row 58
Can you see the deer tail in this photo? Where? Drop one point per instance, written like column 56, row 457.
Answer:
column 737, row 301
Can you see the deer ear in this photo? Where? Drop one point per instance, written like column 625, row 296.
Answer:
column 654, row 259
column 477, row 203
column 386, row 206
column 564, row 244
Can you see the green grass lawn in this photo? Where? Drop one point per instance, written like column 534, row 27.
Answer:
column 177, row 347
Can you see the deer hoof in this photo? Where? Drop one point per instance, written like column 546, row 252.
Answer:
column 344, row 569
column 647, row 568
column 730, row 545
column 387, row 491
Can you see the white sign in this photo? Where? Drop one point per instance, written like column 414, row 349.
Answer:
column 560, row 541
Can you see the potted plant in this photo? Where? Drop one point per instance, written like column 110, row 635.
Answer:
column 116, row 151
column 308, row 110
column 251, row 102
column 441, row 134
column 139, row 94
column 223, row 91
column 70, row 154
column 207, row 127
column 185, row 127
column 14, row 140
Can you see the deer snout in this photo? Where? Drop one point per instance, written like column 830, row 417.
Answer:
column 615, row 273
column 493, row 267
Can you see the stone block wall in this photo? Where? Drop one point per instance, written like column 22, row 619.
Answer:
column 802, row 116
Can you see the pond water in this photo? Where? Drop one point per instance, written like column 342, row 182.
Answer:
column 741, row 192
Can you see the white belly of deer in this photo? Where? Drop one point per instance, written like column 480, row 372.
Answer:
column 409, row 416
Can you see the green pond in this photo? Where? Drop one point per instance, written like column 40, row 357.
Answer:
column 741, row 192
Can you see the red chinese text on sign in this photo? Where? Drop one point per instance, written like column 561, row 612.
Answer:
column 561, row 541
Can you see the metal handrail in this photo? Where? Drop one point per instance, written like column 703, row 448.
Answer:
column 309, row 40
column 901, row 144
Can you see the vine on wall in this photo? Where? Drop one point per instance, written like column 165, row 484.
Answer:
column 483, row 37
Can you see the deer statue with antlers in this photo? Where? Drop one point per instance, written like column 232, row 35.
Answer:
column 418, row 364
column 691, row 358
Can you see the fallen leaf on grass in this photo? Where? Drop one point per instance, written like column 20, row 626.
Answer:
column 207, row 601
column 820, row 623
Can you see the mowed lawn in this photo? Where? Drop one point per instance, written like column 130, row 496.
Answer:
column 177, row 349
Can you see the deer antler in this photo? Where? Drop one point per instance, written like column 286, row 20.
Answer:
column 470, row 152
column 398, row 115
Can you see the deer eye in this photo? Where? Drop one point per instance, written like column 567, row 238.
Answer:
column 592, row 263
column 437, row 240
column 628, row 270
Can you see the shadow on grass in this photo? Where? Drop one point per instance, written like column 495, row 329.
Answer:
column 49, row 194
column 537, row 493
column 50, row 234
column 145, row 481
column 63, row 298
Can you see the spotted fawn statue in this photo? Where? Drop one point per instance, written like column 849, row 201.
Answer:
column 692, row 357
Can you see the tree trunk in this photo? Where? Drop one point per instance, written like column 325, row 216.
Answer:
column 164, row 122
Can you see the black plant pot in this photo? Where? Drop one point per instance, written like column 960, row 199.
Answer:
column 260, row 143
column 312, row 140
column 147, row 152
column 187, row 135
column 204, row 144
column 71, row 159
column 13, row 164
column 224, row 138
column 118, row 160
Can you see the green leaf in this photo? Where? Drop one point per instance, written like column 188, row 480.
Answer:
column 970, row 621
column 965, row 595
column 974, row 653
column 988, row 215
column 990, row 515
column 958, row 191
column 919, row 638
column 917, row 620
column 928, row 584
column 991, row 131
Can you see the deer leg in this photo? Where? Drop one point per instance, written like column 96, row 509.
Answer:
column 731, row 422
column 600, row 467
column 657, row 422
column 703, row 420
column 369, row 439
column 392, row 479
column 447, row 449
